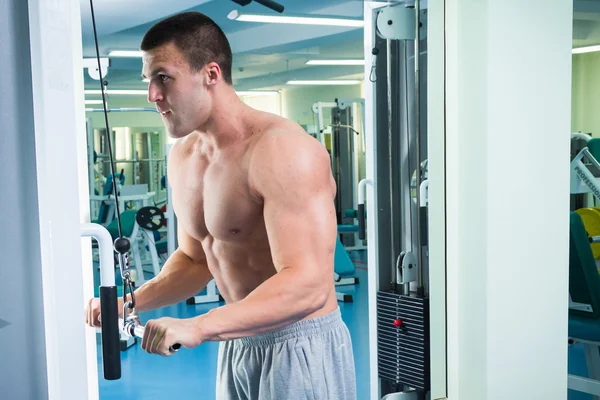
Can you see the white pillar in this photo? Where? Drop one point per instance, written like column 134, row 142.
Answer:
column 23, row 367
column 508, row 110
column 60, row 154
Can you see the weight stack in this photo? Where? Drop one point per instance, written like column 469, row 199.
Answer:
column 403, row 339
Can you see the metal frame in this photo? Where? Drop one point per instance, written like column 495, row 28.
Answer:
column 435, row 191
column 342, row 104
column 582, row 179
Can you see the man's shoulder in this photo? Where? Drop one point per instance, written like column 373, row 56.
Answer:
column 287, row 147
column 285, row 136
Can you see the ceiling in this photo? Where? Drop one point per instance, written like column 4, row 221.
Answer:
column 265, row 56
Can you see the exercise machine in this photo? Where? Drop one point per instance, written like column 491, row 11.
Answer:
column 345, row 143
column 141, row 155
column 584, row 306
column 117, row 334
column 585, row 168
column 397, row 229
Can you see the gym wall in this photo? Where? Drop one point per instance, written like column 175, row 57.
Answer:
column 586, row 93
column 293, row 103
column 126, row 119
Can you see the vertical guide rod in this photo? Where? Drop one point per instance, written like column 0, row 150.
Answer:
column 391, row 165
column 420, row 288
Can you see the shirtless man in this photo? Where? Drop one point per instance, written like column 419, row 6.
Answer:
column 254, row 198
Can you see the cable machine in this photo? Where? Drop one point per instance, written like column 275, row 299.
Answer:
column 400, row 339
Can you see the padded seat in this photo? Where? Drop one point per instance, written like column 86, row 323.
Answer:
column 584, row 328
column 343, row 267
column 347, row 228
column 342, row 264
column 127, row 223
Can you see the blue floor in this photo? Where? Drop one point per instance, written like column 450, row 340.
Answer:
column 190, row 374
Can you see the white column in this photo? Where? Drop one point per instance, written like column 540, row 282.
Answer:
column 436, row 202
column 508, row 110
column 60, row 132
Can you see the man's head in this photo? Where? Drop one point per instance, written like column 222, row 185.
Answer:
column 184, row 56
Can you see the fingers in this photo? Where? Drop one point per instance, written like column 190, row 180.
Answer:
column 154, row 340
column 92, row 313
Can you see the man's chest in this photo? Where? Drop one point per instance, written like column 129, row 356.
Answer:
column 215, row 199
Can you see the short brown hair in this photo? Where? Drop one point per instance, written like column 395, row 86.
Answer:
column 197, row 36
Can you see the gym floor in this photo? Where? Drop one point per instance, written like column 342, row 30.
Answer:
column 191, row 373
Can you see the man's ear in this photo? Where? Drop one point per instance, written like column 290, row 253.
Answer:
column 214, row 73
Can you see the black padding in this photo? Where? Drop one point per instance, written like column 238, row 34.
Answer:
column 150, row 218
column 361, row 221
column 111, row 354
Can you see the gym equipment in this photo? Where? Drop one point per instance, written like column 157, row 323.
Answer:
column 584, row 307
column 346, row 146
column 150, row 218
column 141, row 158
column 106, row 211
column 585, row 170
column 343, row 270
column 591, row 221
column 111, row 355
column 408, row 395
column 210, row 295
column 399, row 287
column 122, row 246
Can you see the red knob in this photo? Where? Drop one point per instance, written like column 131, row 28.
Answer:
column 397, row 323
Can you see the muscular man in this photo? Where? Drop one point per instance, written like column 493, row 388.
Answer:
column 254, row 197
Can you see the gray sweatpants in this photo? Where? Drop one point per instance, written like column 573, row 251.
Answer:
column 310, row 359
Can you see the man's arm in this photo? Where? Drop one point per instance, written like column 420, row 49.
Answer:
column 184, row 275
column 292, row 174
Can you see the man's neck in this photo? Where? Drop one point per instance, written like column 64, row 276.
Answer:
column 228, row 122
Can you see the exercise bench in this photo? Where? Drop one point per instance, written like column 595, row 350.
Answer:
column 584, row 306
column 343, row 271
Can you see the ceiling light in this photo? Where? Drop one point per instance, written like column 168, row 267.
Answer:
column 329, row 82
column 588, row 49
column 146, row 80
column 93, row 102
column 302, row 20
column 118, row 92
column 126, row 53
column 336, row 62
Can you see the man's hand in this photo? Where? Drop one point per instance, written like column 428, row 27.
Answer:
column 160, row 334
column 92, row 312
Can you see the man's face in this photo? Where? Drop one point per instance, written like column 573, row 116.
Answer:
column 180, row 95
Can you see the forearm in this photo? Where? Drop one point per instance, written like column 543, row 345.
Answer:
column 179, row 279
column 274, row 304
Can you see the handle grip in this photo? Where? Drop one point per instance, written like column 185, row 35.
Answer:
column 361, row 221
column 111, row 353
column 138, row 331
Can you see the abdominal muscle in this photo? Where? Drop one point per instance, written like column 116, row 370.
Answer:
column 238, row 270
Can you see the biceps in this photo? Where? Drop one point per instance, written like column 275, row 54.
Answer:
column 190, row 246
